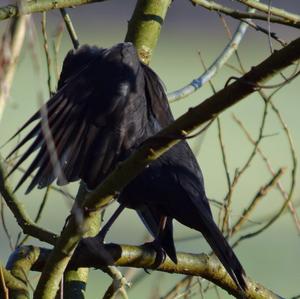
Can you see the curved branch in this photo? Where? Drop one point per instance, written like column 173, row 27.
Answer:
column 213, row 69
column 151, row 150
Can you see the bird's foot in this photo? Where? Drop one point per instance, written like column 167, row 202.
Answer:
column 100, row 237
column 160, row 253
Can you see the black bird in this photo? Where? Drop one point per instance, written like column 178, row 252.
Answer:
column 100, row 114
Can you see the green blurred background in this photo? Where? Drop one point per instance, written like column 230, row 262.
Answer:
column 272, row 257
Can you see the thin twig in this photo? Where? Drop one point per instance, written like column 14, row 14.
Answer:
column 29, row 7
column 38, row 215
column 24, row 221
column 227, row 202
column 118, row 284
column 213, row 69
column 267, row 99
column 254, row 150
column 3, row 288
column 56, row 47
column 10, row 49
column 5, row 228
column 46, row 49
column 52, row 187
column 286, row 130
column 271, row 10
column 293, row 177
column 271, row 86
column 173, row 292
column 70, row 28
column 272, row 35
column 271, row 170
column 257, row 198
column 269, row 26
column 237, row 14
column 220, row 138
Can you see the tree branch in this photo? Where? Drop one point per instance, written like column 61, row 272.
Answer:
column 214, row 6
column 258, row 197
column 23, row 219
column 279, row 185
column 90, row 253
column 145, row 25
column 70, row 28
column 293, row 18
column 31, row 6
column 197, row 83
column 10, row 50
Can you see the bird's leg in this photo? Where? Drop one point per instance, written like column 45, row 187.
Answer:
column 156, row 243
column 161, row 230
column 104, row 230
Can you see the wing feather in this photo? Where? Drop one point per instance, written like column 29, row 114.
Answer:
column 87, row 118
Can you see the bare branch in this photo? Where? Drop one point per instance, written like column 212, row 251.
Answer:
column 293, row 18
column 38, row 215
column 46, row 50
column 260, row 194
column 212, row 5
column 23, row 219
column 145, row 25
column 213, row 69
column 270, row 168
column 29, row 7
column 70, row 28
column 202, row 265
column 118, row 284
column 10, row 49
column 5, row 228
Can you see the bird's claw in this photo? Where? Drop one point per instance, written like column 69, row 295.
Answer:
column 160, row 254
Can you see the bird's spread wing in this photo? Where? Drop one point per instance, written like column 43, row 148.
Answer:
column 97, row 114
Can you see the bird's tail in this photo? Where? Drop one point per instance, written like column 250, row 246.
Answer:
column 167, row 241
column 224, row 252
column 201, row 219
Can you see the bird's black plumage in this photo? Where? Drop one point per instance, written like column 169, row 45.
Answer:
column 98, row 115
column 106, row 105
